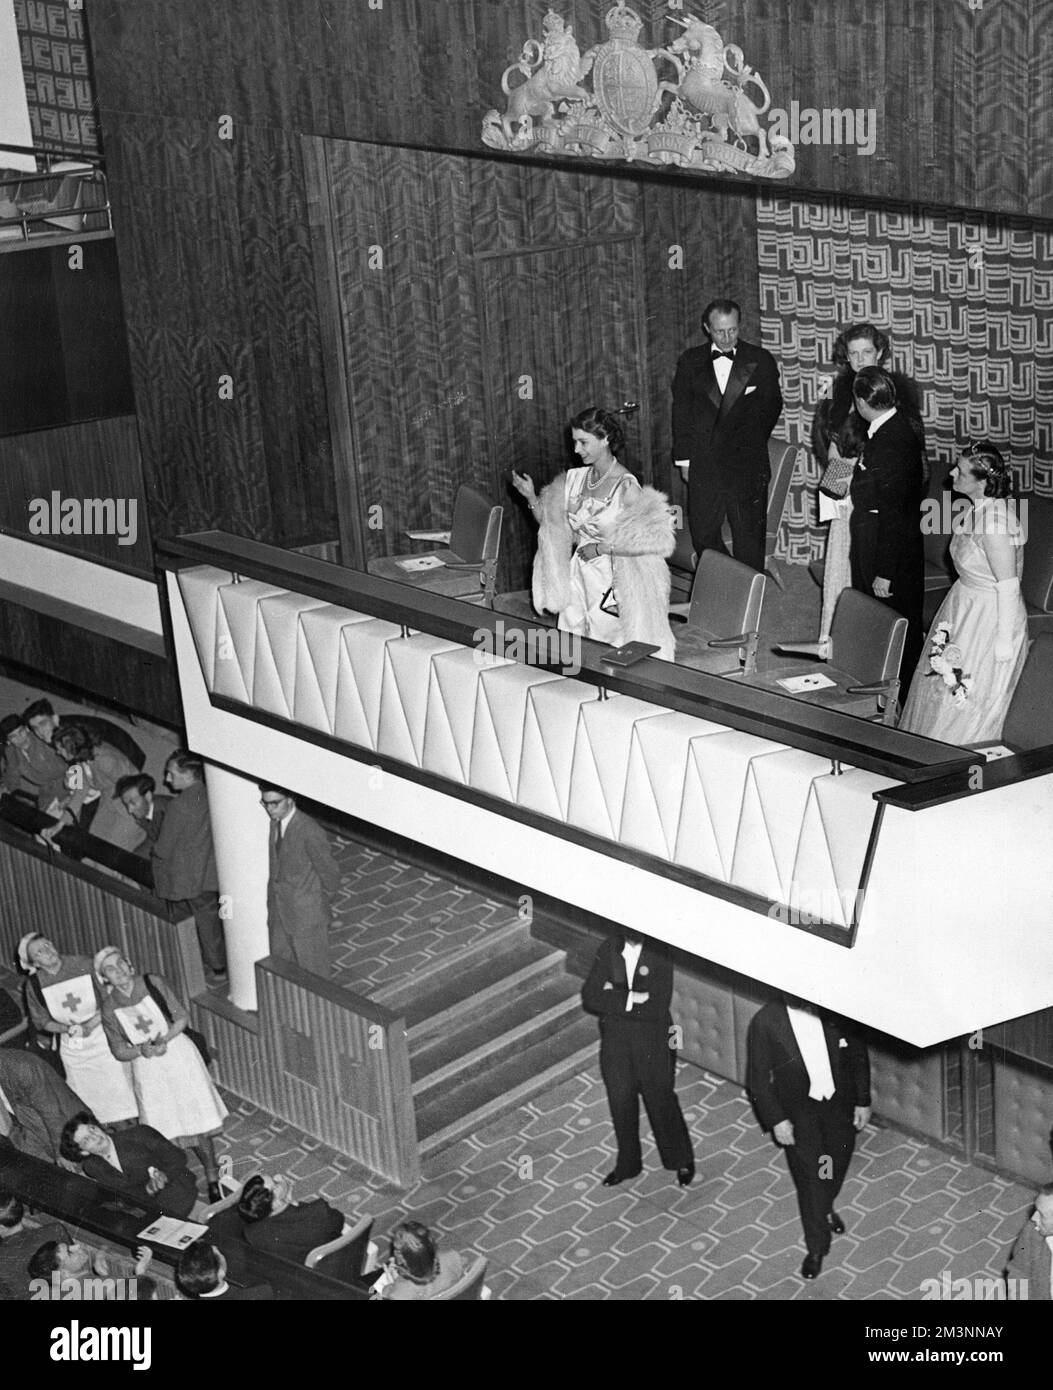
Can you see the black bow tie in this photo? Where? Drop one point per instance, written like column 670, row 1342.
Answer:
column 717, row 353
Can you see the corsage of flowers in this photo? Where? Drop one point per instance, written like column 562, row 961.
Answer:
column 947, row 662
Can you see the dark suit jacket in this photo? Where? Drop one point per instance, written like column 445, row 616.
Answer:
column 183, row 859
column 38, row 771
column 778, row 1078
column 296, row 1231
column 888, row 482
column 654, row 976
column 726, row 436
column 138, row 1149
column 41, row 1100
column 303, row 877
column 1030, row 1259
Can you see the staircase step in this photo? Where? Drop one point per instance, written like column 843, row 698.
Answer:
column 528, row 1019
column 461, row 1006
column 455, row 992
column 460, row 1109
column 402, row 993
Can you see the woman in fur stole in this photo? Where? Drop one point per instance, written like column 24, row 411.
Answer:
column 602, row 543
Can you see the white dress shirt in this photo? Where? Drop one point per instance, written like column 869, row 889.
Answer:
column 876, row 423
column 631, row 955
column 808, row 1030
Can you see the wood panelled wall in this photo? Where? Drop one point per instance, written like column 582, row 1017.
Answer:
column 961, row 94
column 96, row 459
column 479, row 305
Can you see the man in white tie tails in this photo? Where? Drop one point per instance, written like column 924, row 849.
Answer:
column 809, row 1078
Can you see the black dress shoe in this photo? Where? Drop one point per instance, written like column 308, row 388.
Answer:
column 812, row 1267
column 613, row 1179
column 214, row 1193
column 685, row 1176
column 836, row 1224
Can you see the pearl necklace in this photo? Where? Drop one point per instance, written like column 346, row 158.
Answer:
column 591, row 487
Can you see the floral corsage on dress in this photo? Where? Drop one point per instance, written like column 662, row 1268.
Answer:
column 947, row 661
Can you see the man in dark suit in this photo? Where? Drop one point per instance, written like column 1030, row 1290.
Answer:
column 809, row 1078
column 630, row 987
column 17, row 1244
column 273, row 1222
column 887, row 555
column 303, row 878
column 31, row 767
column 1031, row 1258
column 726, row 401
column 137, row 1161
column 184, row 861
column 35, row 1104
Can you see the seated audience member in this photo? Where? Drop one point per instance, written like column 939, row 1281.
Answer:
column 35, row 1104
column 18, row 1242
column 273, row 1223
column 1031, row 1258
column 45, row 723
column 138, row 797
column 201, row 1274
column 94, row 769
column 419, row 1270
column 136, row 1162
column 29, row 768
column 68, row 1265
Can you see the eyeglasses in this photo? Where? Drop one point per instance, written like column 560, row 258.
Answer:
column 272, row 802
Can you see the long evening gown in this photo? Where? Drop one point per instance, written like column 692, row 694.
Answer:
column 970, row 611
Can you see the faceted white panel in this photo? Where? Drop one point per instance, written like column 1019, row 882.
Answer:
column 318, row 650
column 236, row 637
column 654, row 783
column 773, row 804
column 548, row 745
column 278, row 627
column 720, row 764
column 360, row 680
column 601, row 762
column 200, row 588
column 452, row 698
column 404, row 694
column 835, row 831
column 497, row 733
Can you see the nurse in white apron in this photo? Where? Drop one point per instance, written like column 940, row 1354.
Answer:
column 62, row 998
column 144, row 1021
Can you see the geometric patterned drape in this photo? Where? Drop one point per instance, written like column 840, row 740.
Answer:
column 56, row 65
column 966, row 300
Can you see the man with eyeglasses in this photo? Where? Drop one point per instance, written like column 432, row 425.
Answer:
column 303, row 877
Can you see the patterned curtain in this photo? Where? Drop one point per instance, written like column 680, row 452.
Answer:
column 966, row 301
column 56, row 65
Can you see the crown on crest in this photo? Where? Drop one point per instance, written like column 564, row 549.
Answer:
column 623, row 23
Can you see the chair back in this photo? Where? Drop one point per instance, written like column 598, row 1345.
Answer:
column 783, row 459
column 867, row 638
column 1029, row 719
column 469, row 1287
column 471, row 524
column 726, row 597
column 491, row 554
column 345, row 1257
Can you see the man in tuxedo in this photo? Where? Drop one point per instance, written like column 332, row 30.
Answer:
column 809, row 1078
column 630, row 987
column 184, row 860
column 887, row 557
column 303, row 877
column 1031, row 1258
column 726, row 401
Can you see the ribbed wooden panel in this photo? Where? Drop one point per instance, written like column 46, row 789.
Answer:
column 235, row 1049
column 1030, row 1036
column 63, row 901
column 97, row 458
column 318, row 1071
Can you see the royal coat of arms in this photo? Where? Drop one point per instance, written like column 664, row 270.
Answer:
column 694, row 103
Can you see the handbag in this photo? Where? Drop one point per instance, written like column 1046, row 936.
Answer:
column 837, row 477
column 609, row 603
column 198, row 1039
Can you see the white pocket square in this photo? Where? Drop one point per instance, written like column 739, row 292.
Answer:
column 842, row 1042
column 749, row 389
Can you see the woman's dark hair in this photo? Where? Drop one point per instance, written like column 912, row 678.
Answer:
column 413, row 1247
column 601, row 424
column 68, row 1146
column 39, row 709
column 984, row 461
column 199, row 1269
column 75, row 743
column 44, row 1260
column 256, row 1201
column 875, row 388
column 860, row 330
